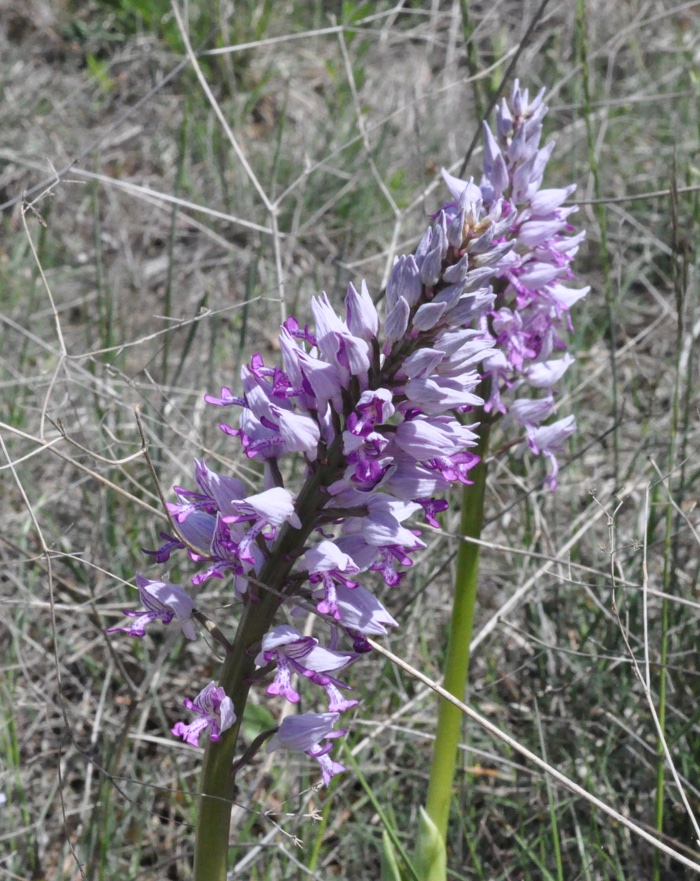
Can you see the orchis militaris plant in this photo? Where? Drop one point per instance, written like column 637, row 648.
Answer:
column 386, row 416
column 526, row 325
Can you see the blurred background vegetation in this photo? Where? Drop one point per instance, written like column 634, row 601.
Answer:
column 153, row 236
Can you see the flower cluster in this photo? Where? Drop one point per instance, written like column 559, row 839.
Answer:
column 529, row 319
column 385, row 415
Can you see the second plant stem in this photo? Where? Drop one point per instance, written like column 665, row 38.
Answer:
column 449, row 726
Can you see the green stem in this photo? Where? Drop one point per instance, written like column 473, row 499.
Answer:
column 218, row 783
column 216, row 800
column 449, row 725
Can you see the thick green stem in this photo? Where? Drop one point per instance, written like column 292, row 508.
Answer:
column 216, row 800
column 449, row 724
column 217, row 786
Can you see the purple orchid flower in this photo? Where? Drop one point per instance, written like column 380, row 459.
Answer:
column 295, row 653
column 163, row 602
column 305, row 734
column 214, row 712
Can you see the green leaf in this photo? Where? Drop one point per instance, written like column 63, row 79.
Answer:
column 390, row 865
column 100, row 71
column 430, row 859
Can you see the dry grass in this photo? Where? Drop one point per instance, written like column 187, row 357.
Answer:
column 158, row 263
